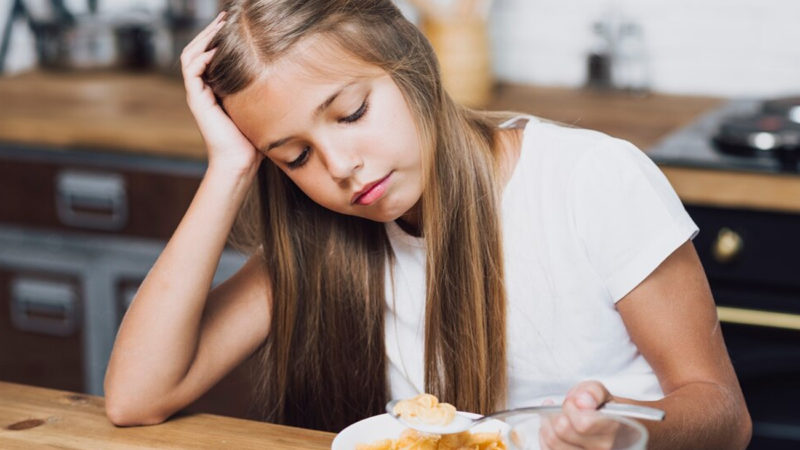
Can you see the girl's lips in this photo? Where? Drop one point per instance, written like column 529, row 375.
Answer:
column 373, row 191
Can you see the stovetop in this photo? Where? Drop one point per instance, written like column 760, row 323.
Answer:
column 692, row 147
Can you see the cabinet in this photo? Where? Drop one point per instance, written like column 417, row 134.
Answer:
column 78, row 233
column 40, row 328
column 752, row 259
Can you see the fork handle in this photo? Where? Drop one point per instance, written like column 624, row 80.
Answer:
column 635, row 411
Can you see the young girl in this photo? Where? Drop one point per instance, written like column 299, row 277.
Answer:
column 406, row 244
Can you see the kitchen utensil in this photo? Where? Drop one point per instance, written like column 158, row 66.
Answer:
column 760, row 134
column 788, row 107
column 463, row 422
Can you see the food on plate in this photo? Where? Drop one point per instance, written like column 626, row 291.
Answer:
column 425, row 408
column 414, row 440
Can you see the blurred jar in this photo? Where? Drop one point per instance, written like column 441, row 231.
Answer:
column 630, row 69
column 462, row 47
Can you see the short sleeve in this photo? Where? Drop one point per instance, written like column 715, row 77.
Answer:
column 626, row 215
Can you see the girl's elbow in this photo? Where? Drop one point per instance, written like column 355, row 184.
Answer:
column 745, row 428
column 126, row 414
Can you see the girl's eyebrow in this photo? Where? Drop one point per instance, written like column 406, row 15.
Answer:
column 320, row 109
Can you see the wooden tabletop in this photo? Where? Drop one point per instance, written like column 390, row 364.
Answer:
column 34, row 417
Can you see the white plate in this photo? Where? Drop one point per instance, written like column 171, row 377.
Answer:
column 384, row 426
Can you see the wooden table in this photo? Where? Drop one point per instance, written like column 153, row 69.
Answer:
column 34, row 417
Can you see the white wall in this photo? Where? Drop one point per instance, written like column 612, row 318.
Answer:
column 717, row 47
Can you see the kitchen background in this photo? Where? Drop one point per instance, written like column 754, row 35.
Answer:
column 99, row 157
column 716, row 47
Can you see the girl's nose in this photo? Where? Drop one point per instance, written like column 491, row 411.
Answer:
column 342, row 162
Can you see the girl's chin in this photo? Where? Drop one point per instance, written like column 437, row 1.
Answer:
column 381, row 216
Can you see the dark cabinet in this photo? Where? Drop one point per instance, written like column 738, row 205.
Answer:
column 129, row 196
column 78, row 233
column 752, row 259
column 41, row 329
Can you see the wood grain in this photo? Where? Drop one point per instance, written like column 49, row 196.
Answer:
column 33, row 417
column 643, row 120
column 108, row 111
column 768, row 192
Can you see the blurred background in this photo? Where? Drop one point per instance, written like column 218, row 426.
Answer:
column 716, row 47
column 99, row 157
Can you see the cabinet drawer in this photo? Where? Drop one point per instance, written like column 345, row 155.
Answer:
column 76, row 197
column 41, row 329
column 749, row 247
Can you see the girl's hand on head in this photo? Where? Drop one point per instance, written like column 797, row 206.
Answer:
column 577, row 427
column 228, row 149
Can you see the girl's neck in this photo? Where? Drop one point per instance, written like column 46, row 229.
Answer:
column 411, row 221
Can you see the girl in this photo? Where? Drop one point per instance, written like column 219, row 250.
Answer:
column 406, row 244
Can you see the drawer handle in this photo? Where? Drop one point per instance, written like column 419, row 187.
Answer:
column 757, row 318
column 728, row 245
column 44, row 306
column 91, row 200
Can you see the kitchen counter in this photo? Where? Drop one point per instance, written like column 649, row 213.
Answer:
column 107, row 111
column 146, row 114
column 644, row 122
column 38, row 417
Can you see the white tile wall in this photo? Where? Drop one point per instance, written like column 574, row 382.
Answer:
column 717, row 47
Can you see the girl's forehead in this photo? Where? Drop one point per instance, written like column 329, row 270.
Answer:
column 318, row 58
column 292, row 88
column 302, row 77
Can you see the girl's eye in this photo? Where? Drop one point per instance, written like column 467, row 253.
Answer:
column 300, row 159
column 356, row 115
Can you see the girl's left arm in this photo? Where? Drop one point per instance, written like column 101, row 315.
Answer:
column 672, row 319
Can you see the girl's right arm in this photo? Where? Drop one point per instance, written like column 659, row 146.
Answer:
column 177, row 339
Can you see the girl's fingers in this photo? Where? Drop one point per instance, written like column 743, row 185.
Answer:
column 195, row 86
column 196, row 67
column 200, row 42
column 549, row 436
column 588, row 395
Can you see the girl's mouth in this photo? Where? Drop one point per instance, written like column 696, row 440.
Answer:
column 372, row 191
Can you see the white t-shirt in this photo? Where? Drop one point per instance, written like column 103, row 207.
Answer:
column 586, row 218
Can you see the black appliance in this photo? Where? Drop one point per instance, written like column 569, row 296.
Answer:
column 752, row 257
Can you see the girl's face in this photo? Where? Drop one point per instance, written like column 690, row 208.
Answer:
column 338, row 128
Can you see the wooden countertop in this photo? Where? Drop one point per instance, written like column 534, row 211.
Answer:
column 140, row 113
column 38, row 417
column 645, row 121
column 146, row 114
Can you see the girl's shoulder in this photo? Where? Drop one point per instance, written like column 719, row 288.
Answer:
column 560, row 149
column 540, row 145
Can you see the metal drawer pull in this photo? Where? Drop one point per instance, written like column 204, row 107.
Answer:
column 728, row 246
column 44, row 306
column 759, row 318
column 91, row 200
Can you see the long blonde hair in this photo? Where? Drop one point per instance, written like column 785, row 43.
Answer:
column 324, row 363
